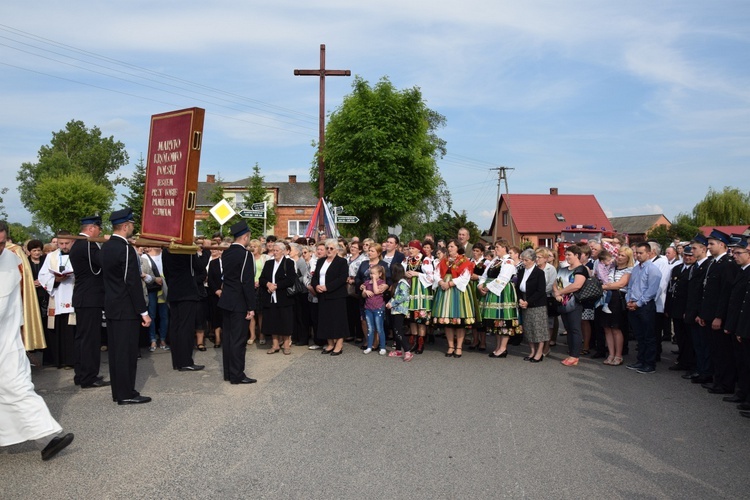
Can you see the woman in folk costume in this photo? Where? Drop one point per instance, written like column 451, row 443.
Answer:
column 453, row 305
column 500, row 303
column 420, row 273
column 479, row 338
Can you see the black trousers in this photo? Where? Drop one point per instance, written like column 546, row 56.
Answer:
column 684, row 340
column 722, row 357
column 122, row 337
column 354, row 318
column 86, row 345
column 60, row 349
column 182, row 332
column 234, row 344
column 743, row 384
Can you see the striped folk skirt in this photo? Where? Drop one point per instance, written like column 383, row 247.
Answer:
column 500, row 313
column 420, row 302
column 453, row 308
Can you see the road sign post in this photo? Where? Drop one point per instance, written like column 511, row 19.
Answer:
column 347, row 219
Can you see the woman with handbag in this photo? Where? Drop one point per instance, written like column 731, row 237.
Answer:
column 279, row 273
column 571, row 315
column 617, row 320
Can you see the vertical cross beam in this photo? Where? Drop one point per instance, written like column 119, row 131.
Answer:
column 322, row 73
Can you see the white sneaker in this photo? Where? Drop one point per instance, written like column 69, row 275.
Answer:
column 314, row 347
column 606, row 309
column 367, row 351
column 382, row 352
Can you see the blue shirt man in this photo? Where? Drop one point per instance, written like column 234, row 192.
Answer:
column 642, row 290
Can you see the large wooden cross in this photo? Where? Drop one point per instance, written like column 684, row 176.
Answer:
column 322, row 73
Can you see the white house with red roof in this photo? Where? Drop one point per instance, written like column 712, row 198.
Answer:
column 540, row 218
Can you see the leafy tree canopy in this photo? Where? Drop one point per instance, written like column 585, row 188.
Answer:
column 76, row 150
column 3, row 213
column 380, row 154
column 62, row 200
column 257, row 193
column 136, row 193
column 730, row 207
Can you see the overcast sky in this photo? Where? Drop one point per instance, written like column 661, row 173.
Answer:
column 644, row 104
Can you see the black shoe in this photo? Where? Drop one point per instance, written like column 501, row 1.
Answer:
column 527, row 358
column 481, row 349
column 324, row 351
column 534, row 360
column 246, row 380
column 745, row 414
column 702, row 379
column 732, row 399
column 503, row 354
column 690, row 376
column 719, row 390
column 137, row 400
column 55, row 446
column 678, row 368
column 97, row 383
column 192, row 368
column 334, row 353
column 743, row 406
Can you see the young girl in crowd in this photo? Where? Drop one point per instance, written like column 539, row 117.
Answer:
column 375, row 307
column 399, row 307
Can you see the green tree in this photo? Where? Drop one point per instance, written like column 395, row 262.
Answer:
column 209, row 226
column 74, row 150
column 380, row 153
column 3, row 213
column 683, row 228
column 446, row 226
column 257, row 193
column 415, row 224
column 730, row 207
column 136, row 185
column 63, row 199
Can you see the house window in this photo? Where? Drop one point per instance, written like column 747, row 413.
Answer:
column 559, row 217
column 297, row 227
column 545, row 242
column 505, row 218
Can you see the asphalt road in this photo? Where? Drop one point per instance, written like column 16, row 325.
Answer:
column 364, row 427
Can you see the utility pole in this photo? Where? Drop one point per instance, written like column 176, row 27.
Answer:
column 502, row 177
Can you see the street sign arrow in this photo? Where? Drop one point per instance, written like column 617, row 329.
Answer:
column 259, row 206
column 252, row 214
column 347, row 219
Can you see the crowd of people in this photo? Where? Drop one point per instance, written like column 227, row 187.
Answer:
column 393, row 298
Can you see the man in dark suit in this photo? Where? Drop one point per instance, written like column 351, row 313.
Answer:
column 183, row 272
column 737, row 325
column 237, row 302
column 717, row 285
column 124, row 306
column 88, row 301
column 703, row 370
column 675, row 307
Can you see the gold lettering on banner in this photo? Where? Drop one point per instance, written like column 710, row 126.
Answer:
column 164, row 195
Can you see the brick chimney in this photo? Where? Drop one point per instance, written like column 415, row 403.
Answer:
column 292, row 179
column 553, row 191
column 210, row 178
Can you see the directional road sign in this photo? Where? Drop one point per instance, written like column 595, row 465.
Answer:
column 252, row 214
column 347, row 219
column 338, row 210
column 259, row 206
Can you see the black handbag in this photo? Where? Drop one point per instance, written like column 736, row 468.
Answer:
column 297, row 288
column 591, row 291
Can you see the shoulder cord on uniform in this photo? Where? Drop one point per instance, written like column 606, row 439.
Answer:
column 88, row 245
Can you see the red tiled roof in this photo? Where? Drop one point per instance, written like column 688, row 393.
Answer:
column 535, row 213
column 724, row 229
